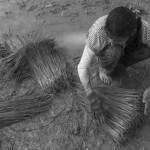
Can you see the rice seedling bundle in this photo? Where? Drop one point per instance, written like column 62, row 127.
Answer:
column 30, row 59
column 23, row 107
column 122, row 111
column 38, row 59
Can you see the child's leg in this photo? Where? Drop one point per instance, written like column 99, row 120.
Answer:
column 120, row 78
column 140, row 54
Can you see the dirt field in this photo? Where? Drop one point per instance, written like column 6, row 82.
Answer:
column 68, row 21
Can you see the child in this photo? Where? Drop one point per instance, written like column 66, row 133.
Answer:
column 120, row 27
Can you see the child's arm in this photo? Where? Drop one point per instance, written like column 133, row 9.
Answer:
column 83, row 67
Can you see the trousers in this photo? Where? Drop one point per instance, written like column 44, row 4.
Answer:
column 133, row 56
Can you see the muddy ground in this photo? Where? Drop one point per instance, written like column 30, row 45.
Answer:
column 68, row 21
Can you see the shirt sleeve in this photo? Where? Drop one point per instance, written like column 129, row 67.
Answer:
column 145, row 33
column 83, row 67
column 96, row 39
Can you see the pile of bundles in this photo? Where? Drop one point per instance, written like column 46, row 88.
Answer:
column 28, row 58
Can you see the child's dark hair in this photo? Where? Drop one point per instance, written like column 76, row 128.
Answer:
column 121, row 22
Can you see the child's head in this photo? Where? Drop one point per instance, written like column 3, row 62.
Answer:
column 110, row 57
column 121, row 23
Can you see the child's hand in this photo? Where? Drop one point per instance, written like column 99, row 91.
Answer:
column 92, row 96
column 105, row 78
column 97, row 112
column 96, row 109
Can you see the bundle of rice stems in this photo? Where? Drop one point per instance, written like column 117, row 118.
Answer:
column 11, row 43
column 56, row 125
column 123, row 111
column 36, row 58
column 15, row 109
column 3, row 51
column 23, row 107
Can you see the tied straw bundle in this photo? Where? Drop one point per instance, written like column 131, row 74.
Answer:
column 23, row 107
column 122, row 111
column 29, row 59
column 35, row 58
